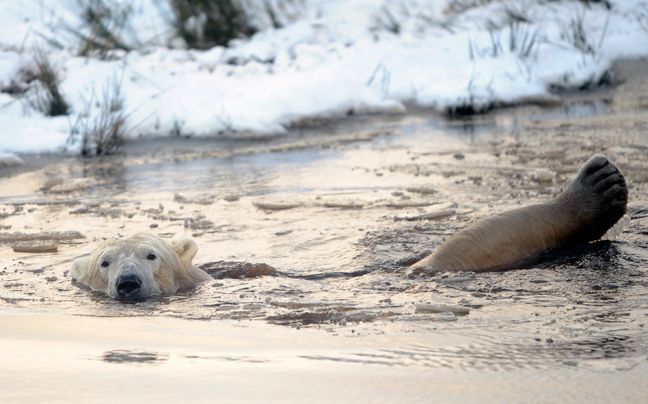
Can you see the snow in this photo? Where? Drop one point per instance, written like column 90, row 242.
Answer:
column 332, row 57
column 9, row 160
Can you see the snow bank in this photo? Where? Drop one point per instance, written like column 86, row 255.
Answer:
column 9, row 160
column 337, row 57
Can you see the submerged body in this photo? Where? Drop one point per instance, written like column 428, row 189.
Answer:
column 592, row 204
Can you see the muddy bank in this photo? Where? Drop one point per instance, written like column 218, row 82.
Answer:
column 312, row 231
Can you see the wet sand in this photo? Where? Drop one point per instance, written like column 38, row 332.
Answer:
column 337, row 211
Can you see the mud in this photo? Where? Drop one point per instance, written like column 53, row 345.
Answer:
column 313, row 231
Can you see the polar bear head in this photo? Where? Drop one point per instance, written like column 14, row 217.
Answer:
column 140, row 266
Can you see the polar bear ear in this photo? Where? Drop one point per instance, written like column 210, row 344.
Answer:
column 78, row 268
column 186, row 249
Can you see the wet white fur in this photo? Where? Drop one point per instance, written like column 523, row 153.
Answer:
column 168, row 272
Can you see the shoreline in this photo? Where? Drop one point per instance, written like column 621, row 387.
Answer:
column 623, row 98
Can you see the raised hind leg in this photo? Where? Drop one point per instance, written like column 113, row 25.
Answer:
column 592, row 203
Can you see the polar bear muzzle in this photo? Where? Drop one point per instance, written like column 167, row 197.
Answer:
column 128, row 286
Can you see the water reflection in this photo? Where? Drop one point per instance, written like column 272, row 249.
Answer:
column 134, row 357
column 241, row 175
column 503, row 353
column 582, row 109
column 108, row 172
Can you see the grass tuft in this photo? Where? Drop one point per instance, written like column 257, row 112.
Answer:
column 207, row 23
column 605, row 3
column 45, row 95
column 104, row 26
column 388, row 21
column 575, row 34
column 523, row 40
column 101, row 133
column 272, row 14
column 642, row 20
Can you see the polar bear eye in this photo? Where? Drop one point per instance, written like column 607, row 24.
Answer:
column 105, row 264
column 151, row 257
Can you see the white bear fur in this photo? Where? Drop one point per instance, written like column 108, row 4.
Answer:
column 169, row 271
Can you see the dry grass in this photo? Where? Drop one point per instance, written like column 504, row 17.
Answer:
column 206, row 23
column 45, row 95
column 102, row 133
column 105, row 24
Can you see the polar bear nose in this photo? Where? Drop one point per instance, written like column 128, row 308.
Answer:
column 128, row 286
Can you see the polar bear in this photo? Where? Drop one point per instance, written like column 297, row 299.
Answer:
column 140, row 266
column 592, row 204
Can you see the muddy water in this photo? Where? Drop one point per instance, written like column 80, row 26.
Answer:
column 306, row 237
